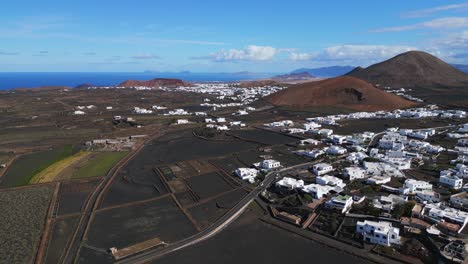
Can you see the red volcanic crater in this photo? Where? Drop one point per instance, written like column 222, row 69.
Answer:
column 342, row 92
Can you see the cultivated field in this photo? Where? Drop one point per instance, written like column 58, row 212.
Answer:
column 249, row 240
column 125, row 226
column 23, row 169
column 73, row 194
column 23, row 213
column 61, row 233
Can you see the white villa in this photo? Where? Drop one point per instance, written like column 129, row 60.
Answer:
column 381, row 233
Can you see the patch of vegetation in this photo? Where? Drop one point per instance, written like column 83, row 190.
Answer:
column 400, row 210
column 24, row 168
column 370, row 159
column 22, row 220
column 100, row 165
column 206, row 132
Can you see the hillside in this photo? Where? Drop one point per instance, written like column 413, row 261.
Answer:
column 340, row 92
column 412, row 69
column 158, row 82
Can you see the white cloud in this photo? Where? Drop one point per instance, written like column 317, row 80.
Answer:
column 355, row 53
column 454, row 41
column 250, row 53
column 430, row 11
column 440, row 23
column 302, row 56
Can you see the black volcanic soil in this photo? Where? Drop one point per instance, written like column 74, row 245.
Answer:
column 249, row 240
column 412, row 69
column 345, row 92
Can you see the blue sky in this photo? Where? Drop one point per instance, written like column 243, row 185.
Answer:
column 224, row 36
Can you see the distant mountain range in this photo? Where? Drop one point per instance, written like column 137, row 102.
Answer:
column 324, row 72
column 294, row 77
column 461, row 67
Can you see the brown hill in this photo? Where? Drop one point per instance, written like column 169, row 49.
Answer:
column 158, row 82
column 412, row 69
column 341, row 92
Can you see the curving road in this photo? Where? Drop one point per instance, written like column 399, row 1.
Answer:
column 93, row 200
column 216, row 227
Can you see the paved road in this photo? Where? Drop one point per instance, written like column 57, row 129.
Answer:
column 92, row 202
column 215, row 228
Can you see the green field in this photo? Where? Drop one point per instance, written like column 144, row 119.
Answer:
column 99, row 165
column 23, row 214
column 25, row 167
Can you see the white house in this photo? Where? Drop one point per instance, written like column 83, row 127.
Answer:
column 341, row 203
column 441, row 213
column 270, row 164
column 463, row 129
column 354, row 173
column 325, row 132
column 415, row 185
column 182, row 121
column 381, row 233
column 322, row 168
column 309, row 141
column 221, row 120
column 209, row 120
column 356, row 157
column 427, row 196
column 290, row 183
column 78, row 112
column 316, row 190
column 336, row 150
column 247, row 174
column 330, row 180
column 311, row 126
column 451, row 181
column 337, row 139
column 460, row 200
column 378, row 180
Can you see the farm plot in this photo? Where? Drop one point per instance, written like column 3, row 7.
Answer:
column 73, row 195
column 208, row 185
column 250, row 240
column 188, row 147
column 264, row 136
column 91, row 256
column 138, row 181
column 52, row 172
column 134, row 183
column 98, row 165
column 23, row 213
column 23, row 169
column 186, row 169
column 228, row 164
column 284, row 154
column 207, row 213
column 252, row 156
column 61, row 234
column 125, row 226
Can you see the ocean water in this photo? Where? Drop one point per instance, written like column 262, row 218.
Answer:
column 12, row 80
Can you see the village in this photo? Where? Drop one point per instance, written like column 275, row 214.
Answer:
column 385, row 189
column 399, row 191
